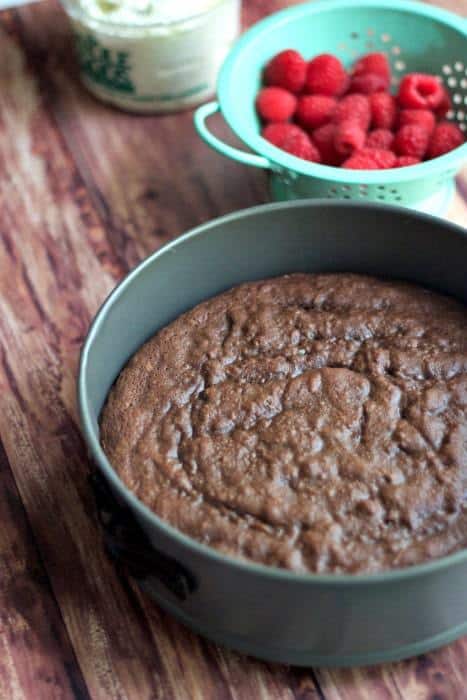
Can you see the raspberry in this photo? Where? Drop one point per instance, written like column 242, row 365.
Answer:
column 368, row 83
column 349, row 137
column 444, row 106
column 380, row 138
column 292, row 139
column 420, row 91
column 421, row 117
column 382, row 157
column 279, row 132
column 326, row 76
column 301, row 147
column 355, row 107
column 286, row 70
column 376, row 63
column 360, row 161
column 411, row 140
column 383, row 110
column 370, row 159
column 315, row 110
column 323, row 138
column 445, row 138
column 274, row 104
column 403, row 161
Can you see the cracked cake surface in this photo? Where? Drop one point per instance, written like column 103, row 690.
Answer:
column 315, row 422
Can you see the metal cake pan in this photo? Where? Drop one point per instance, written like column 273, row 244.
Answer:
column 264, row 611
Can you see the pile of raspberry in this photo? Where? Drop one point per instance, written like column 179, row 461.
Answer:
column 318, row 111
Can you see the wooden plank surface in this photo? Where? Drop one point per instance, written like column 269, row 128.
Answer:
column 85, row 193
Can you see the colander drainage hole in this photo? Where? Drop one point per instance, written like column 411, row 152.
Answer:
column 447, row 70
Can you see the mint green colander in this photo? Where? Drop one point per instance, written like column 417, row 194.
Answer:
column 415, row 37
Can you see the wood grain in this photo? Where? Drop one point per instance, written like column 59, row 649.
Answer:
column 36, row 657
column 85, row 193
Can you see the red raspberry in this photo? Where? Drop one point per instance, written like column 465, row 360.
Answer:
column 326, row 76
column 274, row 104
column 411, row 140
column 302, row 147
column 323, row 138
column 382, row 157
column 370, row 159
column 446, row 137
column 349, row 137
column 292, row 139
column 355, row 107
column 380, row 138
column 421, row 117
column 360, row 161
column 287, row 70
column 376, row 63
column 444, row 106
column 403, row 161
column 383, row 110
column 279, row 132
column 315, row 110
column 368, row 83
column 420, row 91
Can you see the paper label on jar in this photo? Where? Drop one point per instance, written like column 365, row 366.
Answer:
column 108, row 68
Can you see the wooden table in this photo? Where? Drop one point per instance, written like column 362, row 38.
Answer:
column 86, row 192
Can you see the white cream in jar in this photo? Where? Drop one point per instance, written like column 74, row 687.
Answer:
column 152, row 55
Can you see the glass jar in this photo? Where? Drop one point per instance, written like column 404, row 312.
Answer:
column 152, row 55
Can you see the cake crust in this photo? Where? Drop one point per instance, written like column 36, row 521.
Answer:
column 311, row 422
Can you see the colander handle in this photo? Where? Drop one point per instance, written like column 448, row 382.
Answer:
column 207, row 110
